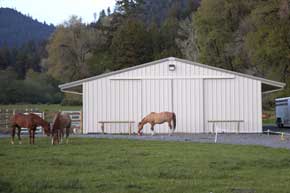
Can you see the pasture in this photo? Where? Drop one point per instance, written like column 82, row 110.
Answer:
column 104, row 165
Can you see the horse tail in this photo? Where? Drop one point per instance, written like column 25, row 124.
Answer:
column 174, row 120
column 68, row 128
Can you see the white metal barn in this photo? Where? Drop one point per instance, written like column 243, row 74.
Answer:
column 197, row 93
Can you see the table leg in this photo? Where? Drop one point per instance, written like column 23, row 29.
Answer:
column 103, row 127
column 129, row 128
column 213, row 127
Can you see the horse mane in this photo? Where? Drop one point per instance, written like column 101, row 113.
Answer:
column 37, row 119
column 143, row 120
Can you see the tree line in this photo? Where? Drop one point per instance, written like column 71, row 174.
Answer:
column 252, row 37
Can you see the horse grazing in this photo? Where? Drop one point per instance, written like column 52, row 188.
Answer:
column 60, row 123
column 30, row 121
column 158, row 118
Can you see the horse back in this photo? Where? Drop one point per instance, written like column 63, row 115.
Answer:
column 161, row 117
column 21, row 120
column 61, row 121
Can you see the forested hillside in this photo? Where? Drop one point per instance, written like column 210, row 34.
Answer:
column 159, row 11
column 17, row 29
column 246, row 36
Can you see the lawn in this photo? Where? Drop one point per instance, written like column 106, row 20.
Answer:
column 103, row 165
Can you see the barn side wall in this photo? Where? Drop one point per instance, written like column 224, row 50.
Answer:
column 195, row 101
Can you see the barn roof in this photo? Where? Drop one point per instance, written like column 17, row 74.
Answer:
column 267, row 85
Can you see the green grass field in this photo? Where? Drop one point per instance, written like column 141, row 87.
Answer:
column 103, row 165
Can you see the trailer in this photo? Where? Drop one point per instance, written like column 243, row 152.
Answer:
column 282, row 107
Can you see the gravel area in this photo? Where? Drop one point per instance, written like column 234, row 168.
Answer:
column 240, row 139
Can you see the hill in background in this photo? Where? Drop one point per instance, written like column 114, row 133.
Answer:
column 17, row 29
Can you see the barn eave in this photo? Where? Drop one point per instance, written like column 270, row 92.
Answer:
column 268, row 86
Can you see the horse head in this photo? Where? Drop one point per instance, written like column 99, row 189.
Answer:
column 140, row 127
column 47, row 129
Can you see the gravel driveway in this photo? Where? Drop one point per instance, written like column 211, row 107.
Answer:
column 240, row 139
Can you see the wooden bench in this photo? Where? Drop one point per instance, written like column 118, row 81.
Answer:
column 226, row 121
column 116, row 122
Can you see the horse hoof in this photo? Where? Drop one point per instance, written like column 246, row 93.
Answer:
column 20, row 142
column 12, row 142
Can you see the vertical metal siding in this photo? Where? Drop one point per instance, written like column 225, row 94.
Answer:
column 195, row 101
column 234, row 99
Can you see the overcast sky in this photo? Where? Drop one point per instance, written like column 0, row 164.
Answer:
column 57, row 11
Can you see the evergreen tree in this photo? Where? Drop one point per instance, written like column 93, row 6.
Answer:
column 131, row 44
column 102, row 14
column 108, row 11
column 5, row 60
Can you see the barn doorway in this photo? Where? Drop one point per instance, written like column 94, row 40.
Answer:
column 156, row 97
column 188, row 105
column 182, row 96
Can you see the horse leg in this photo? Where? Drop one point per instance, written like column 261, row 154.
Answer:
column 33, row 135
column 57, row 136
column 61, row 135
column 170, row 127
column 67, row 134
column 52, row 138
column 12, row 134
column 18, row 134
column 152, row 129
column 30, row 135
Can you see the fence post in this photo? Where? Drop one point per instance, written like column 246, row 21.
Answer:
column 81, row 122
column 6, row 118
column 43, row 119
column 282, row 136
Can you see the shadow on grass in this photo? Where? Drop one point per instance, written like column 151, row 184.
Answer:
column 5, row 187
column 65, row 184
column 175, row 173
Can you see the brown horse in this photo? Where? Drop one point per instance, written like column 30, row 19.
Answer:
column 30, row 121
column 60, row 123
column 158, row 118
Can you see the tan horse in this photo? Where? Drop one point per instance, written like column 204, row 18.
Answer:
column 60, row 123
column 158, row 118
